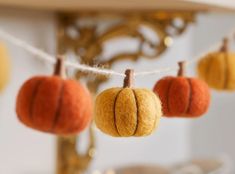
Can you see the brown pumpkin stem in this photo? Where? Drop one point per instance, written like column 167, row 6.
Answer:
column 60, row 67
column 224, row 47
column 182, row 68
column 129, row 79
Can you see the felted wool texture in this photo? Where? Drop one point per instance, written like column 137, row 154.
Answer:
column 76, row 108
column 161, row 89
column 4, row 67
column 124, row 112
column 104, row 111
column 126, row 108
column 149, row 111
column 200, row 98
column 54, row 105
column 183, row 97
column 218, row 70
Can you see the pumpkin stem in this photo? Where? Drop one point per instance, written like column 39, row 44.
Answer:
column 224, row 47
column 182, row 68
column 59, row 67
column 129, row 79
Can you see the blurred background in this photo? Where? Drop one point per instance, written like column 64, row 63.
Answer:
column 25, row 151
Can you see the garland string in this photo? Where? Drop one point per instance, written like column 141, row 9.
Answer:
column 85, row 68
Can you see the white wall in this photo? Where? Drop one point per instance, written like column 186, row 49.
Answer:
column 213, row 134
column 23, row 151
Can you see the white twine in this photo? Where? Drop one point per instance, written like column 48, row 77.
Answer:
column 22, row 44
column 191, row 61
column 85, row 68
column 51, row 59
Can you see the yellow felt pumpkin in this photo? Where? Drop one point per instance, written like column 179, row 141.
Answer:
column 124, row 112
column 217, row 69
column 4, row 66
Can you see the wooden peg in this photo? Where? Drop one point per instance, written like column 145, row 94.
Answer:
column 224, row 47
column 182, row 65
column 129, row 79
column 60, row 67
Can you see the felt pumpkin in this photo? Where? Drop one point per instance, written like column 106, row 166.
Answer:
column 4, row 67
column 183, row 96
column 125, row 112
column 54, row 104
column 217, row 69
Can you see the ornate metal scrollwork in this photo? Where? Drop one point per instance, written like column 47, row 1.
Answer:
column 84, row 35
column 69, row 160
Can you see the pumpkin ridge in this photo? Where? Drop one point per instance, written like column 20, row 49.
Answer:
column 137, row 112
column 58, row 106
column 156, row 116
column 208, row 70
column 167, row 96
column 190, row 97
column 226, row 73
column 82, row 123
column 114, row 111
column 35, row 93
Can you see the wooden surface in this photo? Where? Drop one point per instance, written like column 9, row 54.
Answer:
column 74, row 5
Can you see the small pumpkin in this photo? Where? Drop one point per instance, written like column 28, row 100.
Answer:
column 183, row 96
column 217, row 69
column 4, row 67
column 125, row 112
column 54, row 104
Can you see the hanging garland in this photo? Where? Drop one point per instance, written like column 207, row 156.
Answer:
column 88, row 69
column 57, row 105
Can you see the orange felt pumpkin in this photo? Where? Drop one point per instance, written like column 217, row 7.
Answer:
column 183, row 96
column 54, row 104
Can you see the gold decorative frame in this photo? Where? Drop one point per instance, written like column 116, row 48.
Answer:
column 80, row 34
